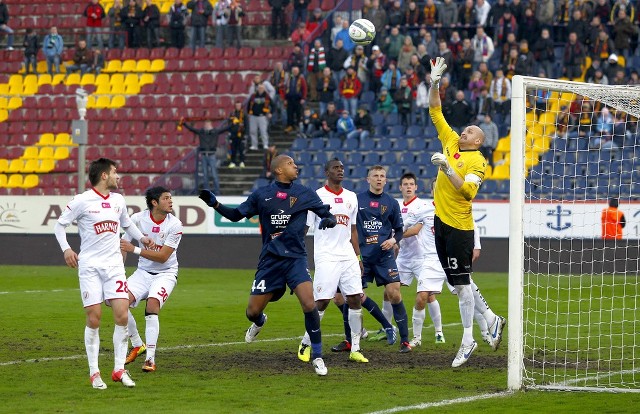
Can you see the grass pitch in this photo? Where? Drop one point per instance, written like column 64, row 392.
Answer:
column 205, row 366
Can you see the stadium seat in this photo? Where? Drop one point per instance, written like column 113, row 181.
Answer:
column 15, row 181
column 30, row 153
column 46, row 139
column 3, row 180
column 30, row 181
column 46, row 166
column 4, row 165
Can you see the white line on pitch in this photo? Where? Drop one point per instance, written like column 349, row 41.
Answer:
column 170, row 348
column 443, row 403
column 39, row 291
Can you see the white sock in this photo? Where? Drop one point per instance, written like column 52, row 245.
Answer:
column 482, row 323
column 305, row 338
column 387, row 311
column 120, row 341
column 481, row 305
column 466, row 303
column 151, row 335
column 92, row 345
column 355, row 322
column 418, row 322
column 132, row 327
column 436, row 316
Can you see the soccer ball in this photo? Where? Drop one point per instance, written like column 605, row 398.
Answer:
column 362, row 32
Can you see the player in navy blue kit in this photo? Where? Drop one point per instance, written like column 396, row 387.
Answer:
column 282, row 208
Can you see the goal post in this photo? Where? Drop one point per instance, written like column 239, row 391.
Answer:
column 574, row 298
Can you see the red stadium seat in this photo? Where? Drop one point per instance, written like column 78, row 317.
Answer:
column 157, row 53
column 186, row 53
column 201, row 53
column 245, row 52
column 124, row 153
column 171, row 53
column 143, row 182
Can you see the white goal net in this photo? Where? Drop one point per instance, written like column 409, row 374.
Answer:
column 574, row 293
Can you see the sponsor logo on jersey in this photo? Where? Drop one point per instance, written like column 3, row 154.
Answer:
column 371, row 239
column 106, row 226
column 373, row 204
column 280, row 219
column 372, row 225
column 106, row 205
column 116, row 209
column 155, row 229
column 342, row 219
column 383, row 209
column 274, row 235
column 404, row 210
column 337, row 200
column 281, row 195
column 94, row 212
column 292, row 201
column 460, row 164
column 456, row 155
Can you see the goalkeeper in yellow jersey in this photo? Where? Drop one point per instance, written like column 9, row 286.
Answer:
column 462, row 168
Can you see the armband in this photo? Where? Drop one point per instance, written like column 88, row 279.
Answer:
column 137, row 250
column 359, row 257
column 472, row 178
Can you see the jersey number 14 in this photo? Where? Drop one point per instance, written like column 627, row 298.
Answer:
column 261, row 286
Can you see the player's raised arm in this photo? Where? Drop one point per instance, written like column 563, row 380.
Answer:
column 445, row 133
column 229, row 213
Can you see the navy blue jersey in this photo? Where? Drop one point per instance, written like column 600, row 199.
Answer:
column 282, row 210
column 378, row 215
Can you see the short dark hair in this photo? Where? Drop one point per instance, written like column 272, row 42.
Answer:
column 99, row 166
column 327, row 165
column 409, row 176
column 154, row 193
column 613, row 202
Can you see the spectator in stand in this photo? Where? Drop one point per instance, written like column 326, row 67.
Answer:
column 459, row 113
column 406, row 51
column 358, row 61
column 524, row 65
column 336, row 28
column 116, row 35
column 545, row 13
column 259, row 109
column 578, row 25
column 395, row 15
column 301, row 34
column 412, row 19
column 445, row 52
column 178, row 14
column 511, row 43
column 268, row 87
column 491, row 137
column 234, row 26
column 52, row 47
column 97, row 61
column 325, row 89
column 483, row 8
column 391, row 78
column 506, row 24
column 485, row 74
column 385, row 102
column 432, row 18
column 529, row 28
column 4, row 21
column 573, row 57
column 207, row 147
column 94, row 12
column 131, row 16
column 403, row 98
column 495, row 14
column 82, row 59
column 543, row 52
column 475, row 85
column 482, row 45
column 328, row 122
column 500, row 92
column 602, row 46
column 345, row 125
column 430, row 45
column 317, row 20
column 611, row 67
column 598, row 78
column 31, row 47
column 151, row 24
column 300, row 11
column 343, row 35
column 448, row 17
column 378, row 16
column 222, row 21
column 393, row 44
column 278, row 18
column 316, row 63
column 596, row 64
column 464, row 63
column 376, row 65
column 335, row 60
column 278, row 81
column 483, row 103
column 237, row 127
column 350, row 88
column 418, row 69
column 613, row 221
column 620, row 78
column 630, row 11
column 309, row 123
column 269, row 155
column 517, row 9
column 468, row 14
column 296, row 96
column 200, row 12
column 296, row 58
column 602, row 9
column 422, row 100
column 363, row 124
column 634, row 78
column 623, row 31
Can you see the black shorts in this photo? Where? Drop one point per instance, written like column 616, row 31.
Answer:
column 455, row 251
column 383, row 271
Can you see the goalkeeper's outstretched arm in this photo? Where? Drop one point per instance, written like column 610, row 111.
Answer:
column 434, row 95
column 438, row 66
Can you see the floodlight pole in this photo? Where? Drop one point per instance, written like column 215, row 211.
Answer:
column 80, row 135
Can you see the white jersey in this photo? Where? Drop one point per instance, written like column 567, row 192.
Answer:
column 167, row 232
column 99, row 219
column 423, row 245
column 335, row 244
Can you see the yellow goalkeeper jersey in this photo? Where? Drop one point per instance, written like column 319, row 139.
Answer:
column 453, row 206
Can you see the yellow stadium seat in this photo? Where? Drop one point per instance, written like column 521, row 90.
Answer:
column 72, row 79
column 63, row 138
column 144, row 65
column 3, row 180
column 116, row 79
column 46, row 166
column 128, row 65
column 102, row 79
column 30, row 152
column 531, row 158
column 621, row 61
column 30, row 80
column 501, row 172
column 58, row 78
column 61, row 153
column 4, row 115
column 44, row 79
column 157, row 65
column 146, row 79
column 103, row 89
column 15, row 166
column 4, row 102
column 15, row 102
column 131, row 79
column 30, row 181
column 166, row 7
column 113, row 66
column 103, row 101
column 15, row 89
column 45, row 153
column 91, row 101
column 132, row 89
column 88, row 79
column 4, row 89
column 15, row 181
column 15, row 80
column 4, row 165
column 30, row 89
column 547, row 118
column 118, row 89
column 541, row 144
column 46, row 139
column 118, row 101
column 41, row 67
column 31, row 166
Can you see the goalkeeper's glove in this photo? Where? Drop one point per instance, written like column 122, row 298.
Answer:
column 438, row 66
column 440, row 160
column 327, row 223
column 208, row 197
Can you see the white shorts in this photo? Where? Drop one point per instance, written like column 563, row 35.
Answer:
column 98, row 284
column 331, row 275
column 431, row 277
column 409, row 270
column 144, row 285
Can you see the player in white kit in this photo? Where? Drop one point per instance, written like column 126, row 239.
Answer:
column 99, row 214
column 418, row 259
column 336, row 257
column 157, row 272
